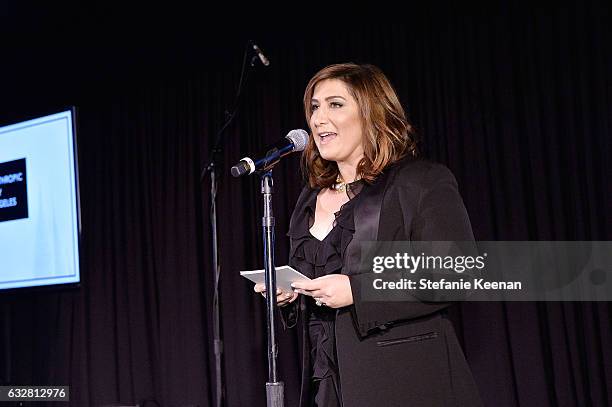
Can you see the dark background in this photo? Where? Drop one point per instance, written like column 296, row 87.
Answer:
column 515, row 100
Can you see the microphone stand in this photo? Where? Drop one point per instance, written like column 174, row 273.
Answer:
column 210, row 168
column 274, row 387
column 218, row 342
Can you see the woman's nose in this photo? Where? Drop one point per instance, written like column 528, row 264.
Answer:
column 320, row 117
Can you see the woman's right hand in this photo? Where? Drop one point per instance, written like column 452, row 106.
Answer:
column 282, row 298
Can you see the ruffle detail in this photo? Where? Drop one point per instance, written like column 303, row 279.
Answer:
column 316, row 258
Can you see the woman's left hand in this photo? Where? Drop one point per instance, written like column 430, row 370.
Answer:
column 333, row 290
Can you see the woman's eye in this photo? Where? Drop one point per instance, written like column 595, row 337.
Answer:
column 314, row 107
column 335, row 104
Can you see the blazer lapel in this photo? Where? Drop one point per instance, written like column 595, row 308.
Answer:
column 366, row 215
column 305, row 195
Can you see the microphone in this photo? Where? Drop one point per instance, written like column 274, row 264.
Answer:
column 295, row 140
column 261, row 55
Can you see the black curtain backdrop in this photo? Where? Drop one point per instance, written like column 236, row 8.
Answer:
column 516, row 101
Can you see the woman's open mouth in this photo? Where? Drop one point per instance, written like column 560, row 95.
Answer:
column 326, row 137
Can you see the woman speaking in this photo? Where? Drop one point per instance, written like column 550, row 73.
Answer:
column 366, row 183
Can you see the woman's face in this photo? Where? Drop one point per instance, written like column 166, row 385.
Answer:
column 336, row 123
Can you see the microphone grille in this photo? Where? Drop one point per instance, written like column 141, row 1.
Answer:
column 299, row 138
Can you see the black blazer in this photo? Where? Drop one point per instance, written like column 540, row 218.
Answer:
column 397, row 353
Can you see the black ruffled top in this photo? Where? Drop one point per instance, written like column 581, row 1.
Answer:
column 316, row 258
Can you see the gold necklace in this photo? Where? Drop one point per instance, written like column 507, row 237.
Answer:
column 340, row 186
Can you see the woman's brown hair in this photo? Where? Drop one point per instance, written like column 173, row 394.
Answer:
column 388, row 137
